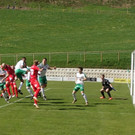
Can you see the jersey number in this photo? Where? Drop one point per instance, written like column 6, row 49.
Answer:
column 31, row 71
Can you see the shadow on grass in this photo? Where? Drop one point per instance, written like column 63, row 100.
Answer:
column 57, row 102
column 104, row 103
column 71, row 109
column 120, row 98
column 55, row 99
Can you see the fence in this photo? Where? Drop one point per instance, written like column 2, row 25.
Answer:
column 111, row 59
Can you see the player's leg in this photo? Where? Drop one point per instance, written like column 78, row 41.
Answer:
column 83, row 94
column 20, row 86
column 43, row 84
column 43, row 91
column 33, row 84
column 12, row 88
column 15, row 88
column 8, row 89
column 102, row 93
column 28, row 88
column 109, row 94
column 35, row 104
column 11, row 79
column 76, row 88
column 37, row 85
column 19, row 73
column 4, row 95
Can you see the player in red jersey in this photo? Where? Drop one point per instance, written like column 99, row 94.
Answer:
column 34, row 82
column 10, row 80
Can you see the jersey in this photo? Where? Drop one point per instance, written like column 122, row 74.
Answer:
column 34, row 72
column 106, row 83
column 43, row 72
column 79, row 78
column 1, row 73
column 9, row 70
column 19, row 64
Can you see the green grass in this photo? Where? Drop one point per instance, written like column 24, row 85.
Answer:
column 58, row 116
column 57, row 29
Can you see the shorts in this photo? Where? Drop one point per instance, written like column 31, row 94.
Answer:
column 79, row 86
column 108, row 88
column 42, row 80
column 2, row 86
column 19, row 73
column 10, row 78
column 28, row 83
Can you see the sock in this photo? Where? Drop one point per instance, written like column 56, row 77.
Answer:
column 74, row 96
column 29, row 90
column 12, row 87
column 15, row 88
column 103, row 94
column 35, row 101
column 5, row 97
column 20, row 86
column 8, row 89
column 109, row 94
column 42, row 91
column 85, row 98
column 36, row 93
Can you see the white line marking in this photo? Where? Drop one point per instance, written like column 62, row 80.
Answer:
column 8, row 104
column 14, row 102
column 48, row 89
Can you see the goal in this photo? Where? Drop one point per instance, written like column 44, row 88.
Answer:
column 132, row 88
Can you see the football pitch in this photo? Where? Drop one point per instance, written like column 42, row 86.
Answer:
column 58, row 116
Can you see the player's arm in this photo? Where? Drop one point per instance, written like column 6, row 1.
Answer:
column 111, row 86
column 75, row 79
column 2, row 75
column 85, row 78
column 109, row 83
column 52, row 68
column 6, row 75
column 40, row 69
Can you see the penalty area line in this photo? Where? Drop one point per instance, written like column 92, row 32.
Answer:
column 8, row 104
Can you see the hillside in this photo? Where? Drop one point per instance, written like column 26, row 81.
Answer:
column 57, row 29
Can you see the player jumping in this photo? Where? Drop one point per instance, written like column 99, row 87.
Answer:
column 20, row 72
column 34, row 82
column 80, row 78
column 10, row 80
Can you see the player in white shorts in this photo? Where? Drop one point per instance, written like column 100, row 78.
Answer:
column 19, row 71
column 42, row 75
column 80, row 78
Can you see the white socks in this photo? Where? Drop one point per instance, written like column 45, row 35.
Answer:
column 42, row 91
column 5, row 96
column 74, row 96
column 20, row 86
column 85, row 98
column 30, row 91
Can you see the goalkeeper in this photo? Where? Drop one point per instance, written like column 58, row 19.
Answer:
column 106, row 87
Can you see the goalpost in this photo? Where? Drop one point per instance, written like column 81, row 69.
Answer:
column 132, row 89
